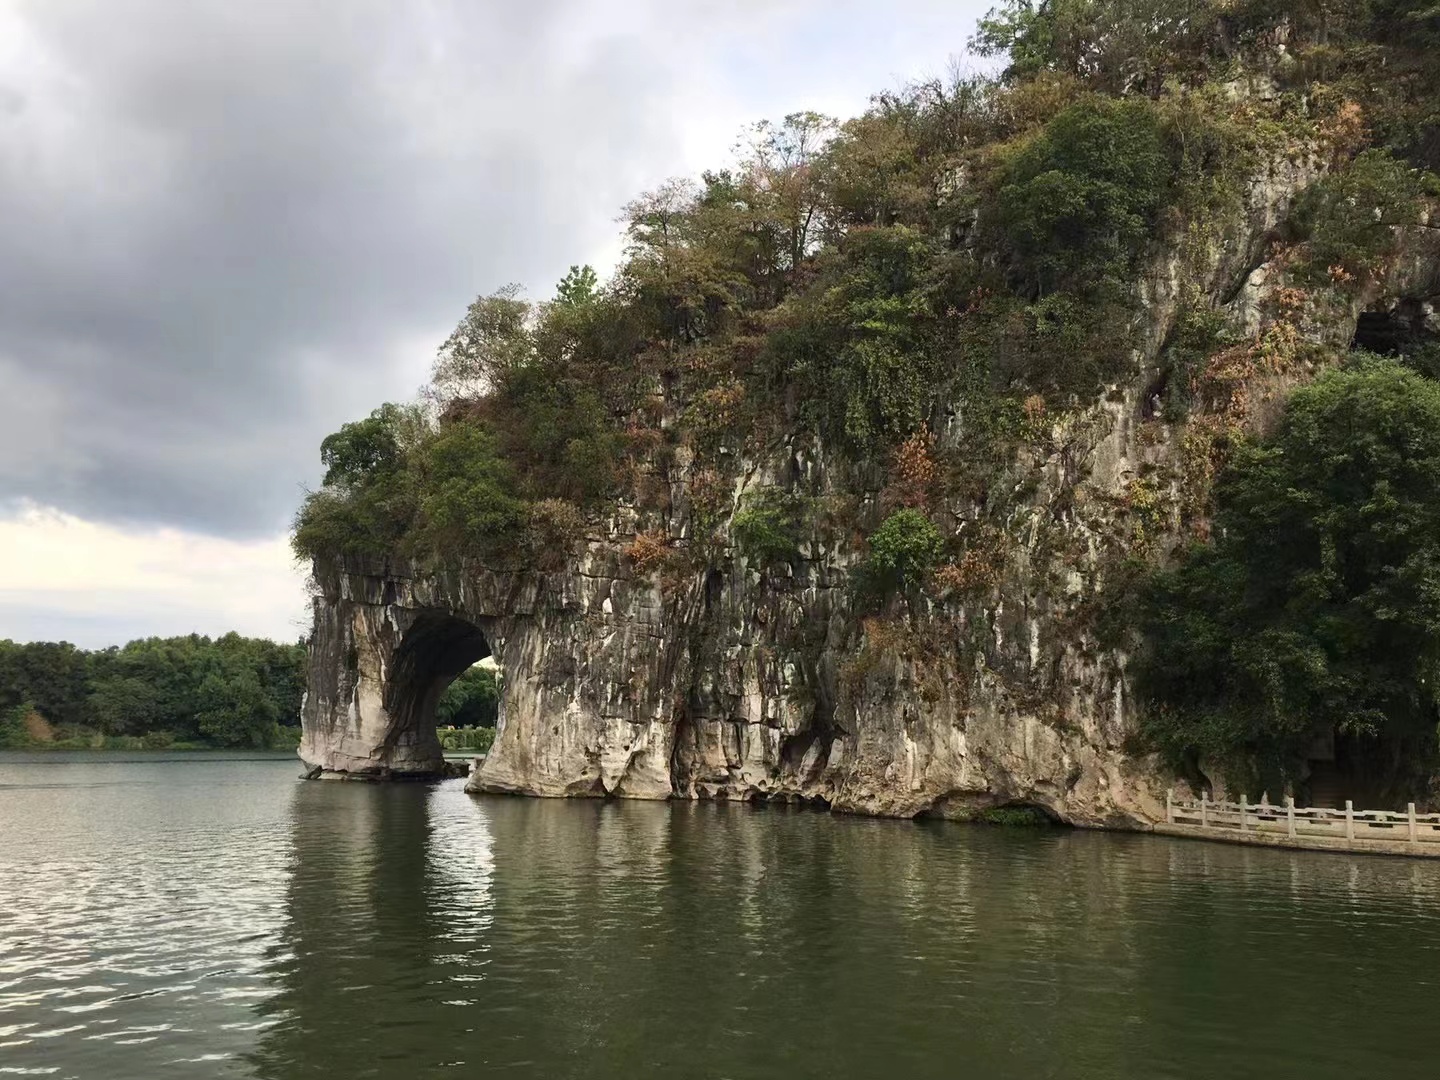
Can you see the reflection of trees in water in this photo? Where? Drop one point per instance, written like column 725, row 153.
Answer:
column 426, row 929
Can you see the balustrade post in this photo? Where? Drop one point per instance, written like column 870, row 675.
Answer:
column 1170, row 806
column 1349, row 819
column 1244, row 811
column 1414, row 830
column 1290, row 816
column 1204, row 810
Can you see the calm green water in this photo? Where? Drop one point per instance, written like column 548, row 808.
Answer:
column 213, row 917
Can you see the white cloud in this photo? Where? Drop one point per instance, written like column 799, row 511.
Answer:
column 96, row 585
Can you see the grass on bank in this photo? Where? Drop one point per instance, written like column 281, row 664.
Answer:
column 477, row 739
column 23, row 728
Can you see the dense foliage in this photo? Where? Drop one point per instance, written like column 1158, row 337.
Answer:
column 1144, row 45
column 1350, row 218
column 474, row 739
column 975, row 242
column 1317, row 609
column 1080, row 198
column 227, row 691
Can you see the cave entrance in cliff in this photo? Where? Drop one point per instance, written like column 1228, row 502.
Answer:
column 1404, row 329
column 440, row 652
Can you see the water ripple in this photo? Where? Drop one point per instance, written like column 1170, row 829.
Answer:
column 172, row 920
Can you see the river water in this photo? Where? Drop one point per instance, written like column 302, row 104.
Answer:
column 210, row 916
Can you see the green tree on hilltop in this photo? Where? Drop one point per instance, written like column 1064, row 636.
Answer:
column 578, row 287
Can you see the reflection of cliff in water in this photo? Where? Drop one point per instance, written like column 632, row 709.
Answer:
column 387, row 964
column 360, row 935
column 427, row 930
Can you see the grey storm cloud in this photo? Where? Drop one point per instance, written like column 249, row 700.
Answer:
column 230, row 226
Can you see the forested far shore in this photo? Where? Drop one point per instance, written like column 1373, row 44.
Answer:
column 230, row 691
column 185, row 692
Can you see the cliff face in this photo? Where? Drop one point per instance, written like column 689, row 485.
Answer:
column 612, row 688
column 733, row 682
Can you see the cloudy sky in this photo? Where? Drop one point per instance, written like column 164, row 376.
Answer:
column 232, row 225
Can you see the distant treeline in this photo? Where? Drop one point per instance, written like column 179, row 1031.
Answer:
column 227, row 691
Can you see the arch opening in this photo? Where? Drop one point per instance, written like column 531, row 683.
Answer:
column 436, row 650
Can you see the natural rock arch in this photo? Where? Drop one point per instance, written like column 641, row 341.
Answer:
column 435, row 649
column 588, row 703
column 380, row 659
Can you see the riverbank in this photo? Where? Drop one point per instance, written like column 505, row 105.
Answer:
column 119, row 760
column 38, row 737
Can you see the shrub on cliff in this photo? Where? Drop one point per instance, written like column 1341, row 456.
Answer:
column 1077, row 202
column 767, row 528
column 1318, row 608
column 648, row 552
column 467, row 506
column 1130, row 45
column 556, row 434
column 556, row 529
column 859, row 350
column 1115, row 44
column 1350, row 218
column 903, row 551
column 330, row 524
column 369, row 499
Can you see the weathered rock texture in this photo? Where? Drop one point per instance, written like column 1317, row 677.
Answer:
column 734, row 683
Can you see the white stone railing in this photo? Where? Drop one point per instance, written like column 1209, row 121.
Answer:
column 1296, row 822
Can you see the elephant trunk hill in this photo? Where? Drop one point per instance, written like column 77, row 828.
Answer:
column 861, row 480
